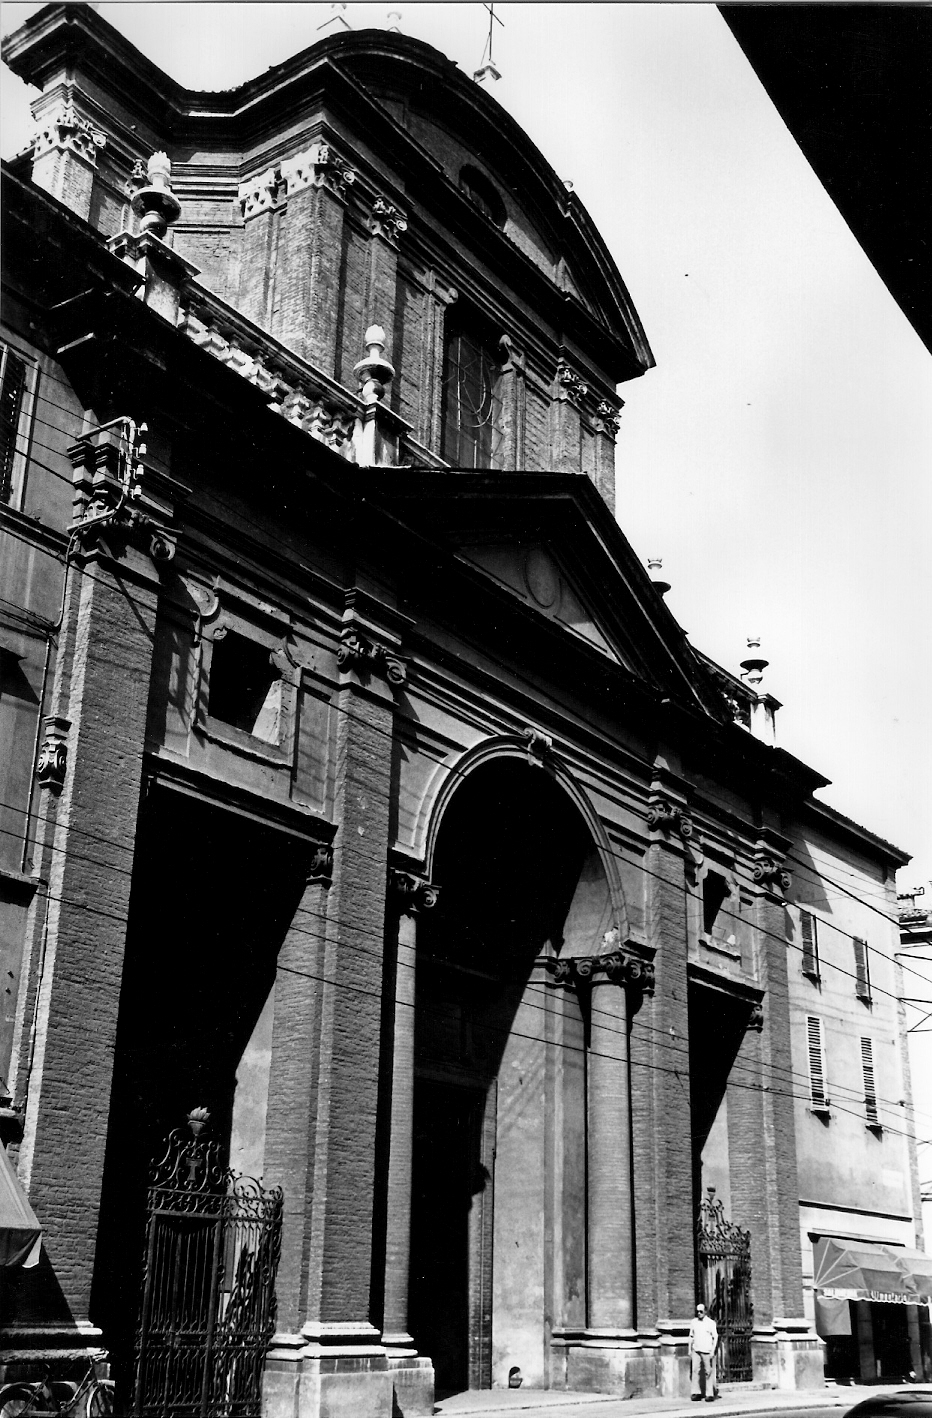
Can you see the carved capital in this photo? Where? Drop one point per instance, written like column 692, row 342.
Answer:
column 571, row 384
column 756, row 1018
column 366, row 656
column 608, row 416
column 539, row 746
column 66, row 130
column 666, row 817
column 112, row 488
column 260, row 194
column 320, row 868
column 317, row 166
column 387, row 220
column 52, row 762
column 412, row 894
column 770, row 873
column 613, row 964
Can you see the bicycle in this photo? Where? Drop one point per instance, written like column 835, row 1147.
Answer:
column 57, row 1398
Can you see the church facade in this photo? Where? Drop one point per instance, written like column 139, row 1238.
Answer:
column 372, row 809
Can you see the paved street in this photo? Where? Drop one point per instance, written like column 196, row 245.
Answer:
column 823, row 1403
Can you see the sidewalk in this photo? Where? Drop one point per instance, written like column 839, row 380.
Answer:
column 539, row 1403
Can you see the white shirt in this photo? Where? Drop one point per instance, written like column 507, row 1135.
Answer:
column 703, row 1335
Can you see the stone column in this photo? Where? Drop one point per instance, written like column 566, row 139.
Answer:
column 611, row 1274
column 413, row 1377
column 90, row 774
column 569, row 391
column 607, row 423
column 440, row 298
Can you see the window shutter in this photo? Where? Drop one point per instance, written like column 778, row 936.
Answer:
column 810, row 937
column 12, row 386
column 816, row 1063
column 862, row 978
column 870, row 1090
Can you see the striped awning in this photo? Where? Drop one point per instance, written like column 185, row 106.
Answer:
column 20, row 1232
column 867, row 1270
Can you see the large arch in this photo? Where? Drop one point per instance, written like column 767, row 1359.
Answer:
column 506, row 1076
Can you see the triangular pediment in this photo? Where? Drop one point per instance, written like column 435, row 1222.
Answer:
column 533, row 573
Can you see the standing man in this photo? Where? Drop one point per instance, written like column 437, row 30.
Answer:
column 703, row 1342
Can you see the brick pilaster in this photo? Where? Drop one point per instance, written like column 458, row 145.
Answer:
column 340, row 1252
column 762, row 1138
column 88, row 854
column 294, row 1078
column 660, row 1099
column 610, row 1270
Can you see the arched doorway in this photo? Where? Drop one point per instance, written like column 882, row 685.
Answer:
column 498, row 1243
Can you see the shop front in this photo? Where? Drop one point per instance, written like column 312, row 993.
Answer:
column 872, row 1310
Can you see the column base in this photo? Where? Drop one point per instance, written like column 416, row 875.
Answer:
column 674, row 1378
column 788, row 1355
column 412, row 1385
column 32, row 1351
column 344, row 1371
column 605, row 1361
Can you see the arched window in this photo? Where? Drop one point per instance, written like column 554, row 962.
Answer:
column 480, row 191
column 472, row 404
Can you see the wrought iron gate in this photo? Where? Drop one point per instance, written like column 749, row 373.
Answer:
column 725, row 1281
column 213, row 1240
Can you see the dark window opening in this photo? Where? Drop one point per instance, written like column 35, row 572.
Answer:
column 12, row 389
column 482, row 194
column 245, row 687
column 862, row 975
column 714, row 893
column 810, row 940
column 472, row 405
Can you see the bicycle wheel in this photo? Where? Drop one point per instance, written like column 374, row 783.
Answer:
column 17, row 1400
column 99, row 1400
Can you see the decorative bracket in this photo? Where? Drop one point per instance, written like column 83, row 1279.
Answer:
column 412, row 893
column 53, row 754
column 756, row 1018
column 369, row 657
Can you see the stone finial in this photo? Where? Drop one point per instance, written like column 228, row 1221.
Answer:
column 655, row 567
column 156, row 205
column 374, row 372
column 754, row 665
column 393, row 19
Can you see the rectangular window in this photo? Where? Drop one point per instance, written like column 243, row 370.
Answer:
column 810, row 938
column 870, row 1090
column 12, row 400
column 817, row 1094
column 862, row 974
column 472, row 405
column 245, row 688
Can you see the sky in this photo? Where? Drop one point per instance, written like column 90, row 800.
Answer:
column 778, row 456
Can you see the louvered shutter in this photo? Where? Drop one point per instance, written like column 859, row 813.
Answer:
column 12, row 387
column 810, row 939
column 862, row 978
column 816, row 1063
column 870, row 1090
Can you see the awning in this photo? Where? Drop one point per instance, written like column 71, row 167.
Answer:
column 20, row 1232
column 867, row 1270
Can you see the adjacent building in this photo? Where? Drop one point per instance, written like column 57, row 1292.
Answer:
column 365, row 804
